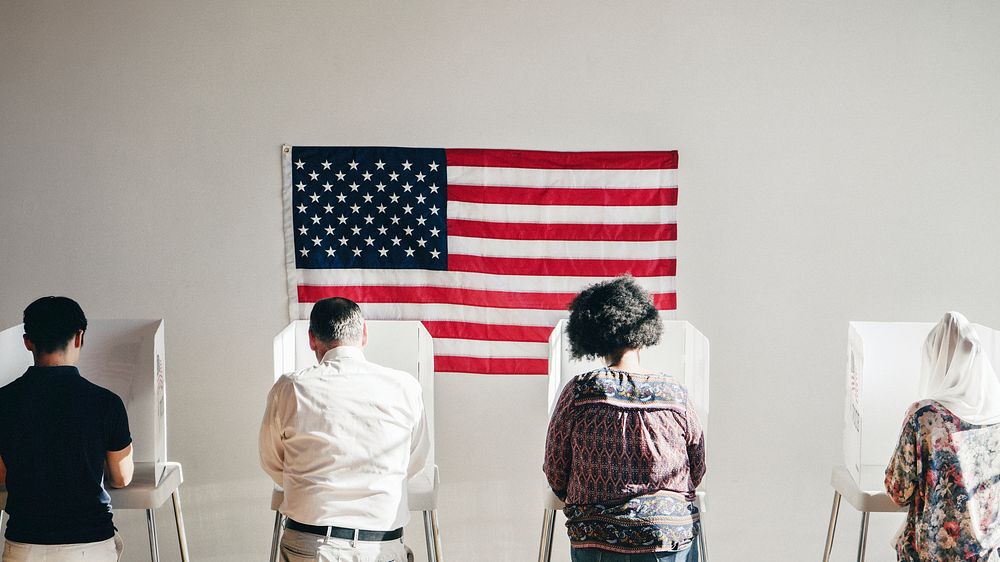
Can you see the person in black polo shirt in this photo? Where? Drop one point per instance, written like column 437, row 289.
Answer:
column 62, row 439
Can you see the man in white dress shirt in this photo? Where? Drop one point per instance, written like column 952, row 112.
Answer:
column 343, row 438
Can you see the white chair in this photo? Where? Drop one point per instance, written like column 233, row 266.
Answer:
column 403, row 345
column 682, row 352
column 148, row 494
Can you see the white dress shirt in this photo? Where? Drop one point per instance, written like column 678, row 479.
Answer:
column 343, row 438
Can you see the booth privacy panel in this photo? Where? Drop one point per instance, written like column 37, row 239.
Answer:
column 683, row 353
column 883, row 377
column 125, row 357
column 397, row 344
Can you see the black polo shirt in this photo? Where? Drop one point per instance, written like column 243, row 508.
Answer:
column 55, row 431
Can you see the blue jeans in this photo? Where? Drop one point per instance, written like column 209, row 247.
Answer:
column 690, row 554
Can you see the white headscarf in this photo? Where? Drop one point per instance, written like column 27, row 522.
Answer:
column 957, row 374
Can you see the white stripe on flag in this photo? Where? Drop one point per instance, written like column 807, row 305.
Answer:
column 527, row 177
column 561, row 249
column 481, row 348
column 461, row 279
column 459, row 313
column 556, row 214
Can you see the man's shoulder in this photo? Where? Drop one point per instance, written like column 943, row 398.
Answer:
column 402, row 378
column 96, row 391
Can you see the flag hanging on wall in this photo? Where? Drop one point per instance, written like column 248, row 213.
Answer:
column 486, row 247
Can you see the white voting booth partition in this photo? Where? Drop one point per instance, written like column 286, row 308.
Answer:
column 882, row 380
column 397, row 344
column 683, row 353
column 126, row 357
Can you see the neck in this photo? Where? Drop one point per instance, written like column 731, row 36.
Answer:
column 629, row 361
column 321, row 351
column 53, row 360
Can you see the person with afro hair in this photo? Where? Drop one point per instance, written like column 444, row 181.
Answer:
column 624, row 449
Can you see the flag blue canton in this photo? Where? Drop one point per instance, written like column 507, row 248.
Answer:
column 369, row 208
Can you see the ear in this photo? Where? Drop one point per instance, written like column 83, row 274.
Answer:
column 78, row 339
column 28, row 344
column 364, row 334
column 312, row 340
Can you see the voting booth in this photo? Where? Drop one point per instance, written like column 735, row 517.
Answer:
column 397, row 344
column 127, row 358
column 883, row 376
column 683, row 353
column 882, row 381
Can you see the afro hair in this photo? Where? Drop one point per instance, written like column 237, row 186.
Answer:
column 610, row 317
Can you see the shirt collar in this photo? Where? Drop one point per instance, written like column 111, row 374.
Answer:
column 343, row 352
column 58, row 370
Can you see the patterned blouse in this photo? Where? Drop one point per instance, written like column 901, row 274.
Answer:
column 626, row 452
column 946, row 471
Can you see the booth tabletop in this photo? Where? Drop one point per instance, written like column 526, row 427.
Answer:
column 862, row 500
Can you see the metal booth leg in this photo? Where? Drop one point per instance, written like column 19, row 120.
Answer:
column 548, row 529
column 438, row 554
column 863, row 539
column 182, row 542
column 276, row 535
column 702, row 542
column 154, row 548
column 432, row 536
column 832, row 527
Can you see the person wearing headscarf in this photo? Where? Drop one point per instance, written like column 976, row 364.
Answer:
column 946, row 467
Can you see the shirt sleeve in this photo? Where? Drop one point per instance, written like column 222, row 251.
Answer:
column 558, row 443
column 903, row 472
column 695, row 445
column 271, row 441
column 118, row 436
column 420, row 442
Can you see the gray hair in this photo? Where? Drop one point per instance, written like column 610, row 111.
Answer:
column 337, row 319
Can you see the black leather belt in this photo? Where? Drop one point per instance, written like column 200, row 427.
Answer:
column 345, row 533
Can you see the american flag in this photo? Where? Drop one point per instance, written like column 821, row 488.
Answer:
column 485, row 247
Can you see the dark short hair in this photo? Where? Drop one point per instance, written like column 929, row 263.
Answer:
column 51, row 322
column 336, row 319
column 611, row 316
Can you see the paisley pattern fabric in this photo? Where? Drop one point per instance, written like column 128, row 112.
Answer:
column 948, row 472
column 626, row 452
column 658, row 522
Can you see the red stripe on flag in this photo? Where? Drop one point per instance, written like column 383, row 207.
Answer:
column 535, row 231
column 437, row 295
column 490, row 366
column 562, row 267
column 487, row 332
column 561, row 196
column 665, row 301
column 639, row 160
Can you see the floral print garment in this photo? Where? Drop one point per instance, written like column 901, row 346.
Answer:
column 948, row 472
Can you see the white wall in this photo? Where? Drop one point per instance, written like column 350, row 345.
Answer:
column 838, row 161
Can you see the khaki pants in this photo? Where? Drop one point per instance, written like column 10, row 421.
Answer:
column 104, row 551
column 306, row 547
